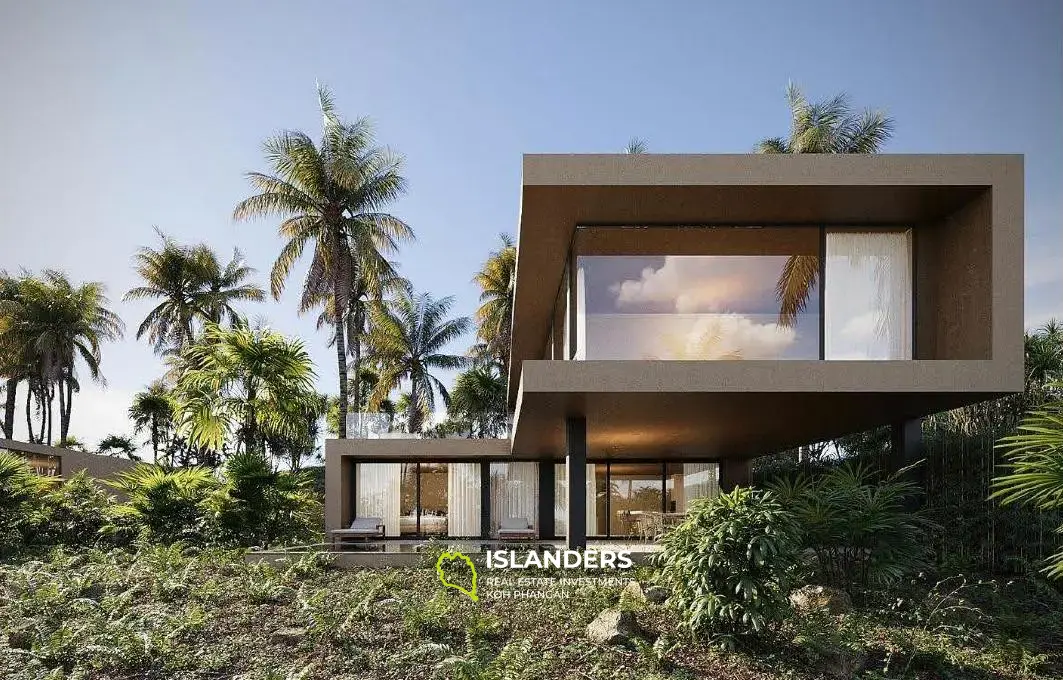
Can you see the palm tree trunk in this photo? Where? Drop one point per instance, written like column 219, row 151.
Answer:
column 154, row 441
column 29, row 420
column 9, row 408
column 340, row 290
column 49, row 393
column 62, row 409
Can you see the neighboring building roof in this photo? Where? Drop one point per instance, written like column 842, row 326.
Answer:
column 72, row 461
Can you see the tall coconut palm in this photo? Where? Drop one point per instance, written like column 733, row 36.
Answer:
column 243, row 383
column 330, row 195
column 408, row 339
column 152, row 410
column 828, row 126
column 12, row 366
column 54, row 323
column 193, row 289
column 497, row 280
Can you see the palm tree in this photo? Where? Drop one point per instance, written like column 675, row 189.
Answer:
column 118, row 444
column 408, row 338
column 829, row 126
column 479, row 400
column 50, row 325
column 246, row 383
column 636, row 147
column 331, row 195
column 152, row 410
column 497, row 280
column 192, row 285
column 12, row 368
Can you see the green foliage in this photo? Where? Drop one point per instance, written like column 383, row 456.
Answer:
column 518, row 660
column 860, row 529
column 74, row 513
column 166, row 505
column 259, row 506
column 1035, row 467
column 729, row 565
column 20, row 489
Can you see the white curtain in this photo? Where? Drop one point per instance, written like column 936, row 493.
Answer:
column 592, row 502
column 463, row 499
column 868, row 295
column 378, row 493
column 700, row 480
column 560, row 499
column 514, row 493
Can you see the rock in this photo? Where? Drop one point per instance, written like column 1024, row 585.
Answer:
column 612, row 627
column 656, row 594
column 845, row 663
column 640, row 593
column 288, row 635
column 813, row 598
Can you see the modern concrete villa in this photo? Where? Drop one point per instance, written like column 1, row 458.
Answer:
column 676, row 316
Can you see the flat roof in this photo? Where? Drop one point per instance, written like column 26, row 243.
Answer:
column 562, row 192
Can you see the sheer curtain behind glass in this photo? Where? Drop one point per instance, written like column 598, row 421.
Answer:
column 868, row 295
column 514, row 493
column 378, row 493
column 463, row 499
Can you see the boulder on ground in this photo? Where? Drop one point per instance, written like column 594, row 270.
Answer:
column 815, row 598
column 648, row 593
column 612, row 627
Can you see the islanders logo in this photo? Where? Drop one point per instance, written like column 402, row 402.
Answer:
column 449, row 558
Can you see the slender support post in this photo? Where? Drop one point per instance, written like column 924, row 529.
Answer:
column 546, row 499
column 906, row 447
column 485, row 500
column 576, row 468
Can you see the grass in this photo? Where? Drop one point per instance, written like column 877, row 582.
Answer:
column 161, row 613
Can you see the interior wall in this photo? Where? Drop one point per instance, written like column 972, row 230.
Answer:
column 954, row 284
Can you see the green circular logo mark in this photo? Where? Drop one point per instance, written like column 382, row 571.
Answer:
column 449, row 557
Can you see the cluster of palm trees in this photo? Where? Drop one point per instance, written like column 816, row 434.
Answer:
column 51, row 331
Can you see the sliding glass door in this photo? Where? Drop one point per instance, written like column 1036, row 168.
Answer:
column 421, row 499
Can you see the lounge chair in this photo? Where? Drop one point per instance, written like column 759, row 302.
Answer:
column 361, row 527
column 515, row 527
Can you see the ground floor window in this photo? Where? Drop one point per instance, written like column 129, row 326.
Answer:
column 635, row 499
column 421, row 499
column 514, row 498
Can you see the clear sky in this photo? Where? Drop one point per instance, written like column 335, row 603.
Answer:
column 119, row 115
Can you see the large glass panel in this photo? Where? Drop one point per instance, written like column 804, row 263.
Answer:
column 686, row 482
column 635, row 498
column 408, row 500
column 699, row 307
column 597, row 499
column 560, row 499
column 378, row 493
column 514, row 496
column 433, row 504
column 868, row 295
column 463, row 499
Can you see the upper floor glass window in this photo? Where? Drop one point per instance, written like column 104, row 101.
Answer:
column 698, row 307
column 868, row 295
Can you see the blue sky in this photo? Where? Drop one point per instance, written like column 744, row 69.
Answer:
column 117, row 116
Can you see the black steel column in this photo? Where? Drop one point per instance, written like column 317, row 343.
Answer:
column 546, row 499
column 576, row 468
column 906, row 448
column 485, row 500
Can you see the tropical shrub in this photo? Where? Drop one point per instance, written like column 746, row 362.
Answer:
column 1035, row 467
column 74, row 512
column 166, row 505
column 20, row 489
column 859, row 529
column 259, row 506
column 730, row 563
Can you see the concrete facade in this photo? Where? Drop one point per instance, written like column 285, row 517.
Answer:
column 965, row 213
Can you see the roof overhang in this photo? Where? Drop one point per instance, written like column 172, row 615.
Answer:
column 563, row 192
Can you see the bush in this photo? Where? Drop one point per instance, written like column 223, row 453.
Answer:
column 74, row 512
column 20, row 489
column 860, row 531
column 166, row 505
column 729, row 565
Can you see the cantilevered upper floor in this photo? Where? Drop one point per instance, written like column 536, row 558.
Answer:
column 734, row 305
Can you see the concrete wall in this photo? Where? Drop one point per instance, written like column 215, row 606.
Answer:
column 71, row 462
